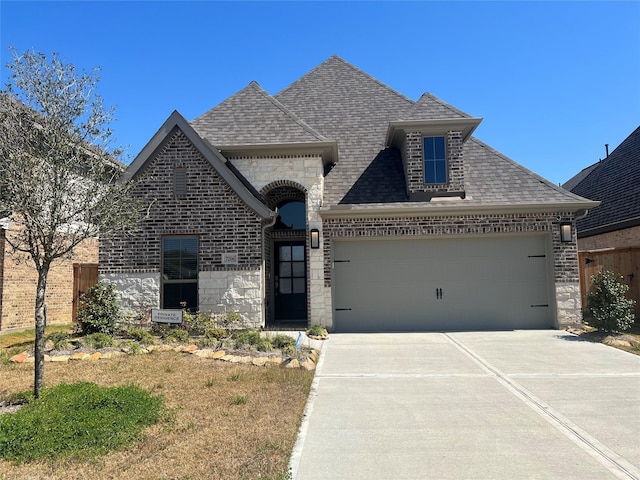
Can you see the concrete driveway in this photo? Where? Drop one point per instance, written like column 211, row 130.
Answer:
column 471, row 405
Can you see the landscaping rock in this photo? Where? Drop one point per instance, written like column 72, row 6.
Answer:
column 79, row 356
column 94, row 356
column 308, row 365
column 293, row 363
column 190, row 348
column 60, row 359
column 19, row 358
column 260, row 361
column 218, row 354
column 49, row 345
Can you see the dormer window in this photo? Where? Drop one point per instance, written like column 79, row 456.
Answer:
column 435, row 161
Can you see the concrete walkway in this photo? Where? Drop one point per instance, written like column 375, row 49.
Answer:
column 471, row 405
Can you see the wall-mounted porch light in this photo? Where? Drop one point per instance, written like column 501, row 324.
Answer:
column 314, row 238
column 566, row 235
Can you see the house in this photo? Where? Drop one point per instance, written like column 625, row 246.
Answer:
column 609, row 237
column 68, row 278
column 339, row 201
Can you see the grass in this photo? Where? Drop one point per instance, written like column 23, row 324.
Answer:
column 229, row 421
column 80, row 420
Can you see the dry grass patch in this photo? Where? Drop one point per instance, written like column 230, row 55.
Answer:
column 228, row 421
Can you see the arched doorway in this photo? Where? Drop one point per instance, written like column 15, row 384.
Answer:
column 287, row 283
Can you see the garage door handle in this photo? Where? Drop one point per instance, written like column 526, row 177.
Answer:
column 343, row 309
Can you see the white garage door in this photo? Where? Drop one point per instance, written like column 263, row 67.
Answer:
column 486, row 283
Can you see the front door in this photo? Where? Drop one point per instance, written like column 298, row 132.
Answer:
column 290, row 281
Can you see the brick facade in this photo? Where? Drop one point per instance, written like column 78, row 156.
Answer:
column 210, row 210
column 413, row 161
column 18, row 286
column 625, row 238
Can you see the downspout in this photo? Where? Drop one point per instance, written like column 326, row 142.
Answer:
column 264, row 267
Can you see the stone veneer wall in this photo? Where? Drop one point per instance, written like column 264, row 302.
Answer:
column 210, row 210
column 305, row 172
column 565, row 255
column 19, row 280
column 413, row 162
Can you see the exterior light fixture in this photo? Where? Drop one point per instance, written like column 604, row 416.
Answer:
column 566, row 234
column 314, row 238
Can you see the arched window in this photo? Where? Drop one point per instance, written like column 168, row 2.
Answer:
column 291, row 216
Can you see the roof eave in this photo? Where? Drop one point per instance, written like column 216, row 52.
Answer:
column 327, row 150
column 429, row 210
column 432, row 127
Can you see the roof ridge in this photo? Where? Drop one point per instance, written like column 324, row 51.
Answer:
column 352, row 67
column 286, row 111
column 443, row 103
column 527, row 171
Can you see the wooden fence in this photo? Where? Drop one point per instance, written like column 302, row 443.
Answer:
column 85, row 276
column 624, row 261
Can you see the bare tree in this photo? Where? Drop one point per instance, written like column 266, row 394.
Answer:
column 59, row 176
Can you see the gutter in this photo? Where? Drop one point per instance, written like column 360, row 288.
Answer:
column 431, row 210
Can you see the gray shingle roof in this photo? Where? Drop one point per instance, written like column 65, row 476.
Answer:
column 353, row 108
column 339, row 102
column 430, row 107
column 615, row 181
column 253, row 117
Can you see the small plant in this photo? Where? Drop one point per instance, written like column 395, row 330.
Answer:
column 317, row 331
column 177, row 335
column 208, row 382
column 246, row 337
column 98, row 340
column 196, row 323
column 99, row 311
column 264, row 345
column 239, row 400
column 60, row 340
column 229, row 319
column 233, row 377
column 608, row 308
column 282, row 341
column 141, row 335
column 217, row 333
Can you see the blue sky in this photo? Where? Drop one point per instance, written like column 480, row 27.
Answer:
column 554, row 81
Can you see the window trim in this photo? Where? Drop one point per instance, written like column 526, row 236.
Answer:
column 434, row 161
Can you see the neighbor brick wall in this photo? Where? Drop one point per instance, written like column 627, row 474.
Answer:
column 19, row 280
column 414, row 164
column 626, row 238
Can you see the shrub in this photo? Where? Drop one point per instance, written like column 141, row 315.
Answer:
column 229, row 319
column 99, row 311
column 60, row 340
column 177, row 335
column 98, row 340
column 608, row 308
column 317, row 331
column 282, row 341
column 141, row 335
column 80, row 420
column 215, row 333
column 246, row 337
column 264, row 345
column 196, row 323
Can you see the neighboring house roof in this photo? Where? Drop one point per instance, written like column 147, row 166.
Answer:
column 225, row 169
column 615, row 181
